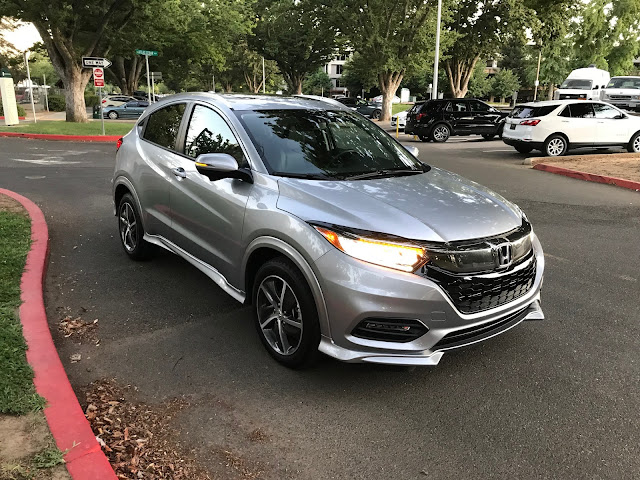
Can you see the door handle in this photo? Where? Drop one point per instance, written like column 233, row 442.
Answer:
column 179, row 172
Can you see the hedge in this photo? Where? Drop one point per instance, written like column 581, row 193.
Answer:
column 57, row 103
column 21, row 112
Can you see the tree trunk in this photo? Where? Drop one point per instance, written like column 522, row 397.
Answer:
column 550, row 91
column 459, row 72
column 126, row 73
column 75, row 80
column 389, row 82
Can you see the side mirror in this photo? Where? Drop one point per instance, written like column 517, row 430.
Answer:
column 596, row 87
column 412, row 150
column 217, row 166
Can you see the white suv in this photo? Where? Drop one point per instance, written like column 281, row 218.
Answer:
column 623, row 92
column 554, row 127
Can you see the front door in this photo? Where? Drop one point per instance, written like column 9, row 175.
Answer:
column 611, row 124
column 207, row 216
column 485, row 118
column 461, row 118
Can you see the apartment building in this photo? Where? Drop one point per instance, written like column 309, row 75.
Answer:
column 334, row 69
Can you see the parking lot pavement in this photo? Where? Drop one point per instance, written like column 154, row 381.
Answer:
column 552, row 399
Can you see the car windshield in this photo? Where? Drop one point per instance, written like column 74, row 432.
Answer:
column 575, row 83
column 623, row 82
column 324, row 144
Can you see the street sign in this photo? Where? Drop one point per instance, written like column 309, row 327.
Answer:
column 90, row 62
column 147, row 53
column 98, row 77
column 156, row 76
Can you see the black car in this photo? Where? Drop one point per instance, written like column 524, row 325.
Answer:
column 350, row 102
column 369, row 109
column 437, row 120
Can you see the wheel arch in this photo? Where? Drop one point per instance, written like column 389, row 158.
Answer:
column 121, row 186
column 562, row 134
column 264, row 248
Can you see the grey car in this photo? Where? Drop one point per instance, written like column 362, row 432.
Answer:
column 340, row 239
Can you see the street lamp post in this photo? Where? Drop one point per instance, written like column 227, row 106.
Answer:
column 26, row 62
column 434, row 92
column 535, row 91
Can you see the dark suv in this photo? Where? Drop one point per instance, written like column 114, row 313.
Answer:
column 437, row 120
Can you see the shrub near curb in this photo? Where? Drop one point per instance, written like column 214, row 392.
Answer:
column 57, row 103
column 21, row 112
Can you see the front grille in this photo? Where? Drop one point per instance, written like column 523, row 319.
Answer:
column 390, row 329
column 619, row 97
column 479, row 332
column 475, row 293
column 572, row 96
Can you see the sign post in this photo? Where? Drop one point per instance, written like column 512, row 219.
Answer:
column 147, row 54
column 33, row 107
column 98, row 81
column 155, row 77
column 98, row 64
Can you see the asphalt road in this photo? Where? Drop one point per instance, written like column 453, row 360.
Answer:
column 553, row 399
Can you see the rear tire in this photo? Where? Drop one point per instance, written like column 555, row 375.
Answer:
column 375, row 115
column 131, row 231
column 555, row 146
column 523, row 148
column 285, row 314
column 488, row 136
column 440, row 133
column 634, row 144
column 424, row 138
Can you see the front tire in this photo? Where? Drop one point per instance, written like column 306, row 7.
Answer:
column 286, row 315
column 113, row 115
column 555, row 146
column 440, row 133
column 131, row 230
column 375, row 115
column 634, row 144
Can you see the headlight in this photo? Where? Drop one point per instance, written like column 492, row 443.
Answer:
column 380, row 252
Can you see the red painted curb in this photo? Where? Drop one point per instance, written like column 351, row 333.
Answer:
column 68, row 138
column 589, row 177
column 68, row 425
column 19, row 118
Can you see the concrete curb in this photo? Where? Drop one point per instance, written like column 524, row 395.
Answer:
column 67, row 138
column 589, row 177
column 68, row 425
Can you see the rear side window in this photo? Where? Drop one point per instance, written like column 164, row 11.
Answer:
column 209, row 133
column 530, row 112
column 416, row 108
column 582, row 110
column 457, row 106
column 163, row 125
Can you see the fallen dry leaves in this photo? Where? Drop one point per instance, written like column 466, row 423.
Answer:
column 76, row 327
column 137, row 438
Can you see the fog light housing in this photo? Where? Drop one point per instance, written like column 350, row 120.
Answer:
column 399, row 330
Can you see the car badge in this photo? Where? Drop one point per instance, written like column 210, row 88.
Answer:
column 502, row 254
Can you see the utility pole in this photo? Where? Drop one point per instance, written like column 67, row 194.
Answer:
column 26, row 62
column 213, row 81
column 264, row 83
column 146, row 58
column 535, row 91
column 434, row 93
column 46, row 95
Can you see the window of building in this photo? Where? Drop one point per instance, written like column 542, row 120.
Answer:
column 163, row 125
column 338, row 84
column 339, row 69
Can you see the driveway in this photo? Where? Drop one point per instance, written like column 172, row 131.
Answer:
column 552, row 399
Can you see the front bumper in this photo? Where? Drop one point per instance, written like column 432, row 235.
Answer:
column 355, row 291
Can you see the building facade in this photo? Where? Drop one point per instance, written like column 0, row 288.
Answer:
column 334, row 69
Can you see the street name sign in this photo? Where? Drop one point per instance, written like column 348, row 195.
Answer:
column 98, row 77
column 90, row 62
column 147, row 53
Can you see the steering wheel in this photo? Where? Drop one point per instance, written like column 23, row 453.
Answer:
column 337, row 157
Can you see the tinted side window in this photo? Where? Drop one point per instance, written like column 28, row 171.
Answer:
column 582, row 110
column 479, row 106
column 566, row 112
column 605, row 111
column 163, row 125
column 209, row 133
column 459, row 106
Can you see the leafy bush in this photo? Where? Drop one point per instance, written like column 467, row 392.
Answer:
column 21, row 112
column 57, row 103
column 91, row 100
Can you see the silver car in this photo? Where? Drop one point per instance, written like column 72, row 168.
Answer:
column 340, row 239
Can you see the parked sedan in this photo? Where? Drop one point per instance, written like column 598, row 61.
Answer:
column 438, row 120
column 131, row 109
column 555, row 127
column 339, row 238
column 370, row 110
column 115, row 100
column 400, row 118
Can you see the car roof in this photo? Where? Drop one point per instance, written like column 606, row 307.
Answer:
column 259, row 102
column 546, row 103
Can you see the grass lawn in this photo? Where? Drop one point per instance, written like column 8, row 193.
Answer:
column 93, row 127
column 400, row 107
column 17, row 393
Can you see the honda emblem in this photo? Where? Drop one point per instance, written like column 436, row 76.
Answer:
column 502, row 255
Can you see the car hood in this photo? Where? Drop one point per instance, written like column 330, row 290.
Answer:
column 437, row 206
column 574, row 90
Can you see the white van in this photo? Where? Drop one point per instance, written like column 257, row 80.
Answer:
column 623, row 92
column 583, row 84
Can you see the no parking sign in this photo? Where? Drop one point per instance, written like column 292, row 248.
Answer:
column 98, row 77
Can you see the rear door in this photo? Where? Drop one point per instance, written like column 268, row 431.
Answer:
column 411, row 117
column 578, row 121
column 460, row 117
column 207, row 216
column 485, row 118
column 157, row 149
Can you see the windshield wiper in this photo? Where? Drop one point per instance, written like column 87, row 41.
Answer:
column 384, row 173
column 304, row 176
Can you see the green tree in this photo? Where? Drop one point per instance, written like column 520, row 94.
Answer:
column 392, row 38
column 318, row 83
column 480, row 28
column 70, row 31
column 296, row 35
column 480, row 84
column 357, row 74
column 504, row 83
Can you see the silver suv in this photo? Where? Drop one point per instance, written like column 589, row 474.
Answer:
column 342, row 241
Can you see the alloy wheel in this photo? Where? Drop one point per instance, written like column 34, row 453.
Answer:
column 128, row 227
column 555, row 147
column 441, row 133
column 279, row 315
column 636, row 144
